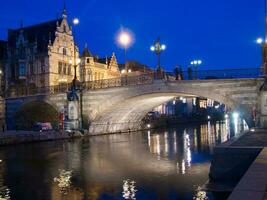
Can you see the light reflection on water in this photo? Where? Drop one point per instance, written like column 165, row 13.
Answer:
column 156, row 164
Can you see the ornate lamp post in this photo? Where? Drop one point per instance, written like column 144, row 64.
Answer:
column 196, row 64
column 158, row 48
column 74, row 102
column 75, row 22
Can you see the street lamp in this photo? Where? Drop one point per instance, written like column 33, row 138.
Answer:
column 125, row 40
column 260, row 41
column 196, row 63
column 158, row 48
column 76, row 62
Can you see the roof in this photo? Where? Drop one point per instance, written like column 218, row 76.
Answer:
column 104, row 60
column 86, row 53
column 135, row 66
column 41, row 33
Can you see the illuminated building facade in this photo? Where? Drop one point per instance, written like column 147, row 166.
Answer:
column 41, row 55
column 94, row 68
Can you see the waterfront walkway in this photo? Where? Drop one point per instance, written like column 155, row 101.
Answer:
column 253, row 185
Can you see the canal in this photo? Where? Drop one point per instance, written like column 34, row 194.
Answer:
column 164, row 164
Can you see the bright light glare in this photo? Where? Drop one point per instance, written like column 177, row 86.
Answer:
column 76, row 21
column 125, row 38
column 148, row 126
column 152, row 48
column 199, row 62
column 235, row 115
column 259, row 40
column 208, row 117
column 226, row 116
column 163, row 47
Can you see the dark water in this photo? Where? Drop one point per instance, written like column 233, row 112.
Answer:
column 158, row 164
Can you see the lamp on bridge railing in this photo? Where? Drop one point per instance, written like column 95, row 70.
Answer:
column 196, row 63
column 158, row 48
column 259, row 41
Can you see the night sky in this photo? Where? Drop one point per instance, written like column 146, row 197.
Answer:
column 220, row 32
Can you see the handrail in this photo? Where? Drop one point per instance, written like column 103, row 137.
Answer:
column 143, row 79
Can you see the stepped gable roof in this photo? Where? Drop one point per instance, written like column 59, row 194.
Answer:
column 40, row 33
column 86, row 53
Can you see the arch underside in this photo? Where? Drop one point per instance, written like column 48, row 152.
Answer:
column 239, row 95
column 128, row 115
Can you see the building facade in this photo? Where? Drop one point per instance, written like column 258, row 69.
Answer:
column 41, row 55
column 93, row 68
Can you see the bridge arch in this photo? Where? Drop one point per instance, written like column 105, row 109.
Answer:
column 131, row 105
column 35, row 111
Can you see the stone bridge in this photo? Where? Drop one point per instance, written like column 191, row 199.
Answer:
column 121, row 108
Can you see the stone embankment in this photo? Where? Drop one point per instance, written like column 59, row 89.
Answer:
column 19, row 137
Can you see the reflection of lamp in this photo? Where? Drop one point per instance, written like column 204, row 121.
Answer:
column 64, row 180
column 129, row 191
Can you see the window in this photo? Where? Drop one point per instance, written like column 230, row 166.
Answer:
column 64, row 51
column 59, row 67
column 69, row 70
column 65, row 69
column 22, row 69
column 88, row 60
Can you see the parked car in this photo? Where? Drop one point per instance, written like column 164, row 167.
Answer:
column 40, row 126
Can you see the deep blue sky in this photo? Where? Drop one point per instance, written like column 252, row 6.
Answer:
column 220, row 32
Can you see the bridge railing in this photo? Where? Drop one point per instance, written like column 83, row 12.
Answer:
column 218, row 74
column 20, row 91
column 118, row 82
column 143, row 79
